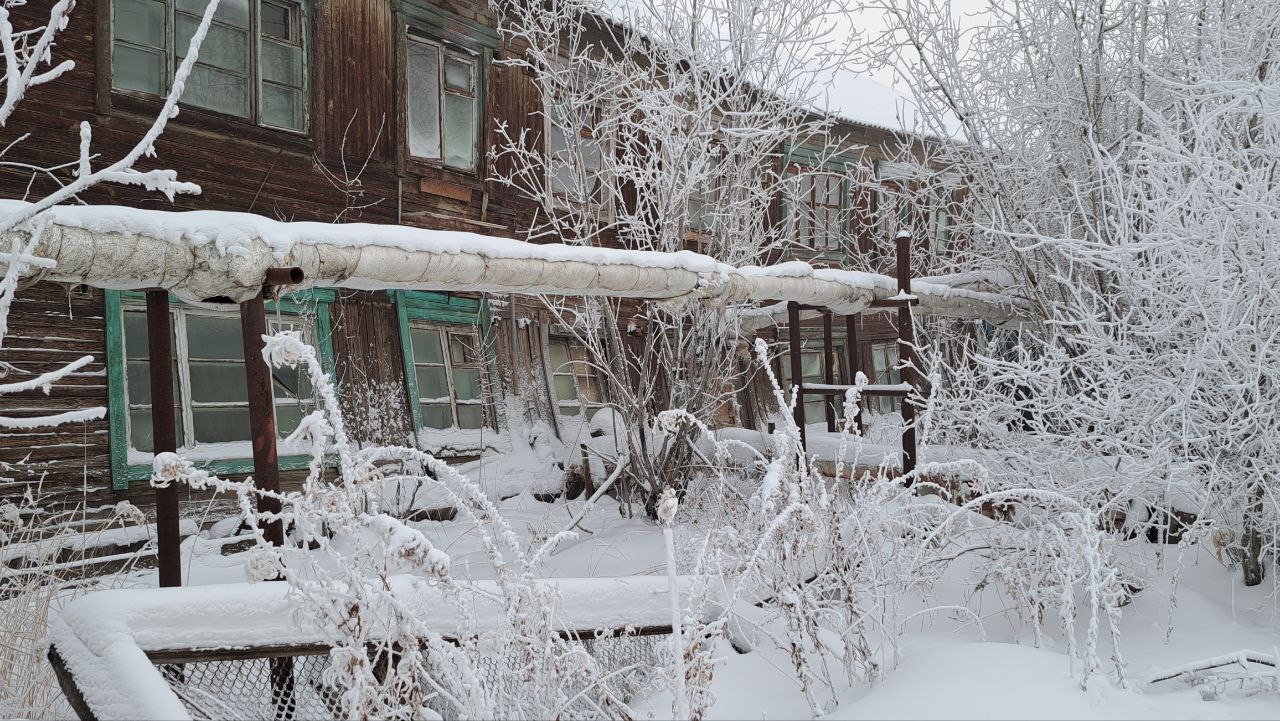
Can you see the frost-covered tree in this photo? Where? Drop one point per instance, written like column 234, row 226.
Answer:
column 664, row 129
column 1121, row 161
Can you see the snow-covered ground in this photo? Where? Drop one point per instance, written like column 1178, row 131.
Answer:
column 948, row 668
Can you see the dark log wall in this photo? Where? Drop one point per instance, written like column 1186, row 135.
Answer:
column 48, row 328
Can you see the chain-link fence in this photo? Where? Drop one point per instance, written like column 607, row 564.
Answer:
column 293, row 688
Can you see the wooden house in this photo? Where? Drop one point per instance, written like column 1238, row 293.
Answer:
column 376, row 111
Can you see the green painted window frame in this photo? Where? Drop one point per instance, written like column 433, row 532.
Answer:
column 437, row 308
column 122, row 472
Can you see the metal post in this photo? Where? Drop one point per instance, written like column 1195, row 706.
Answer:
column 266, row 470
column 164, row 433
column 907, row 354
column 262, row 417
column 828, row 370
column 851, row 350
column 797, row 368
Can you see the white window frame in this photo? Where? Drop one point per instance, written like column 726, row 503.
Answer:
column 178, row 315
column 447, row 331
column 577, row 370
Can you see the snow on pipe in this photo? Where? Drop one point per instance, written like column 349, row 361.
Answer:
column 205, row 255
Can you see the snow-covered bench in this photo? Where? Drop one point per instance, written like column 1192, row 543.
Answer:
column 115, row 650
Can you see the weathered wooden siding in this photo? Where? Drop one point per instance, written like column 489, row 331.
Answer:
column 369, row 368
column 48, row 328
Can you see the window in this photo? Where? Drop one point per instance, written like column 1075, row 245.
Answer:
column 575, row 152
column 209, row 378
column 443, row 114
column 702, row 207
column 574, row 380
column 811, row 370
column 884, row 368
column 449, row 386
column 819, row 205
column 252, row 63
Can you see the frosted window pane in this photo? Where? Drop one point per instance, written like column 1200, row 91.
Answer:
column 232, row 12
column 137, row 69
column 220, row 425
column 282, row 107
column 218, row 382
column 426, row 345
column 135, row 335
column 214, row 337
column 432, row 382
column 435, row 415
column 216, row 90
column 139, row 21
column 457, row 74
column 565, row 390
column 223, row 47
column 471, row 416
column 282, row 63
column 466, row 383
column 287, row 420
column 424, row 100
column 570, row 409
column 459, row 131
column 559, row 357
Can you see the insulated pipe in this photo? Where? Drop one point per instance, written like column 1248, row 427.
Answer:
column 204, row 255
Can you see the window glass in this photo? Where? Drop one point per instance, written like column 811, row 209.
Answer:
column 818, row 210
column 574, row 380
column 138, row 382
column 450, row 387
column 459, row 134
column 140, row 22
column 442, row 106
column 574, row 153
column 424, row 99
column 884, row 365
column 811, row 369
column 209, row 379
column 277, row 21
column 227, row 77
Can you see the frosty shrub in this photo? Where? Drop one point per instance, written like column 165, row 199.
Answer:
column 1119, row 159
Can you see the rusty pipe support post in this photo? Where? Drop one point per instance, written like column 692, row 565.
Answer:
column 164, row 433
column 261, row 395
column 907, row 356
column 797, row 368
column 266, row 468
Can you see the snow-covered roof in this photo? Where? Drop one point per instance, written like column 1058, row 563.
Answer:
column 203, row 255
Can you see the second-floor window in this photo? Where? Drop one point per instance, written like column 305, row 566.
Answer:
column 252, row 63
column 442, row 108
column 819, row 212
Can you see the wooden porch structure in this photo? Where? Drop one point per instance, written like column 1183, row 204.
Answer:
column 907, row 390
